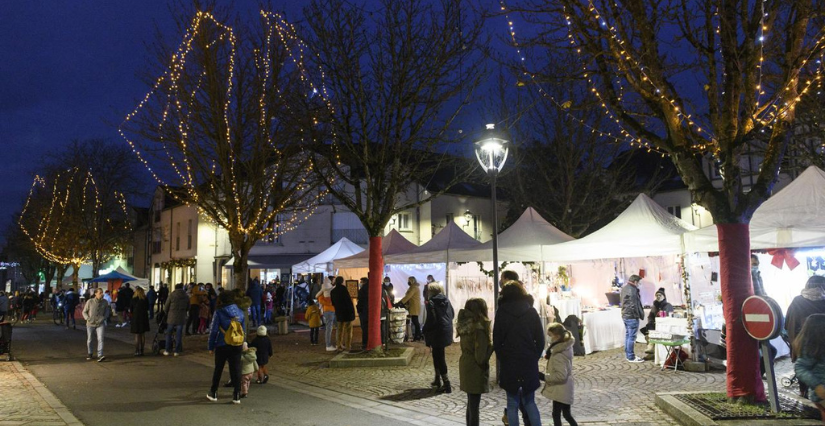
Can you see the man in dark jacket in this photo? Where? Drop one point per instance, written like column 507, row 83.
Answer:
column 344, row 314
column 632, row 312
column 124, row 303
column 151, row 297
column 70, row 303
column 255, row 293
column 163, row 295
column 175, row 308
column 363, row 310
column 518, row 340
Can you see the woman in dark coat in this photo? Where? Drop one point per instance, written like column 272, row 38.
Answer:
column 518, row 341
column 810, row 301
column 473, row 328
column 438, row 334
column 140, row 319
column 344, row 314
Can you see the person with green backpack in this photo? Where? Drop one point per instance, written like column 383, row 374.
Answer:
column 226, row 339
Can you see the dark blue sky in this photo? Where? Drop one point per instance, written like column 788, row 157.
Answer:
column 70, row 70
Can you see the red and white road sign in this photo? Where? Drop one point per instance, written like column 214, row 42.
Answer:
column 762, row 317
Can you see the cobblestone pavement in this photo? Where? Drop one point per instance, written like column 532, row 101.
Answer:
column 25, row 401
column 609, row 390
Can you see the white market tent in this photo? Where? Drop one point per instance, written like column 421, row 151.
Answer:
column 322, row 262
column 143, row 282
column 442, row 248
column 523, row 241
column 392, row 243
column 791, row 218
column 643, row 229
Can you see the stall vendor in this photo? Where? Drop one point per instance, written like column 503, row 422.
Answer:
column 661, row 307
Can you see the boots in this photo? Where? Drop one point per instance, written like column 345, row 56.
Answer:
column 437, row 381
column 446, row 387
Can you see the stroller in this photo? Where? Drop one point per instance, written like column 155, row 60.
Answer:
column 5, row 340
column 159, row 341
column 788, row 381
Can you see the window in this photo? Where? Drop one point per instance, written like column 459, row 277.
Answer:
column 404, row 222
column 177, row 236
column 675, row 210
column 157, row 237
column 189, row 235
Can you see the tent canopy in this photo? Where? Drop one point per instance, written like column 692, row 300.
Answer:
column 114, row 275
column 392, row 243
column 790, row 218
column 319, row 264
column 643, row 229
column 440, row 249
column 521, row 242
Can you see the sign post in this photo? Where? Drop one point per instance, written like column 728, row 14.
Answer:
column 762, row 318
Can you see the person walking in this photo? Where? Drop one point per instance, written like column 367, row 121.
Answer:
column 344, row 314
column 518, row 340
column 140, row 319
column 412, row 301
column 362, row 306
column 632, row 312
column 226, row 313
column 163, row 295
column 197, row 296
column 151, row 298
column 175, row 307
column 810, row 364
column 263, row 350
column 324, row 298
column 249, row 366
column 124, row 303
column 473, row 327
column 70, row 302
column 438, row 334
column 96, row 312
column 558, row 373
column 255, row 293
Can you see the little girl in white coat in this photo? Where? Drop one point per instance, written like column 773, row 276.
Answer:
column 558, row 375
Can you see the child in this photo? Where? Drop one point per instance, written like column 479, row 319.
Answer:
column 473, row 328
column 203, row 315
column 558, row 375
column 313, row 317
column 249, row 365
column 263, row 347
column 809, row 346
column 269, row 303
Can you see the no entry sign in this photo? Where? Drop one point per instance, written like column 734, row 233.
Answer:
column 762, row 317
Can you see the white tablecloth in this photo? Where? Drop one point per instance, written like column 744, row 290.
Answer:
column 605, row 330
column 566, row 306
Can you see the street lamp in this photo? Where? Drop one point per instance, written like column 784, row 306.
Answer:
column 491, row 151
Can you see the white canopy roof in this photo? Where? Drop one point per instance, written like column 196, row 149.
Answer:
column 521, row 242
column 143, row 282
column 643, row 229
column 392, row 243
column 440, row 249
column 793, row 217
column 320, row 263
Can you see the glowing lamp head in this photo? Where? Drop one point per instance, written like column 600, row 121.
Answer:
column 491, row 149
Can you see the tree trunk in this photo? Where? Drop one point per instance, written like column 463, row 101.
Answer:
column 743, row 376
column 376, row 273
column 75, row 276
column 240, row 268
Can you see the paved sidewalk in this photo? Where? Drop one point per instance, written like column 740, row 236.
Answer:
column 24, row 400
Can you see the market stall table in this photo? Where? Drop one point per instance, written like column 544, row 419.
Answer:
column 566, row 305
column 604, row 330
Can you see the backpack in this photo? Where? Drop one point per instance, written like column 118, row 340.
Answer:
column 233, row 335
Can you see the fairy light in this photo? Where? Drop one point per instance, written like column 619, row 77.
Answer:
column 252, row 216
column 66, row 233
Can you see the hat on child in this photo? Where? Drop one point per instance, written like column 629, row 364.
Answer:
column 661, row 291
column 261, row 331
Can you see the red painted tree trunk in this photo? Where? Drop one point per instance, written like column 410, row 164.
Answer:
column 376, row 277
column 743, row 357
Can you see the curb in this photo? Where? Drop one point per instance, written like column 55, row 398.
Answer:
column 47, row 396
column 687, row 416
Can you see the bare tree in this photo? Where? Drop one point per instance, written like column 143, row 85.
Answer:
column 698, row 80
column 585, row 178
column 68, row 223
column 217, row 125
column 393, row 81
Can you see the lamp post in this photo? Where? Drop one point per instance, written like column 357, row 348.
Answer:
column 491, row 151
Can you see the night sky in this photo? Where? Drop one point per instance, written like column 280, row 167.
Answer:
column 70, row 70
